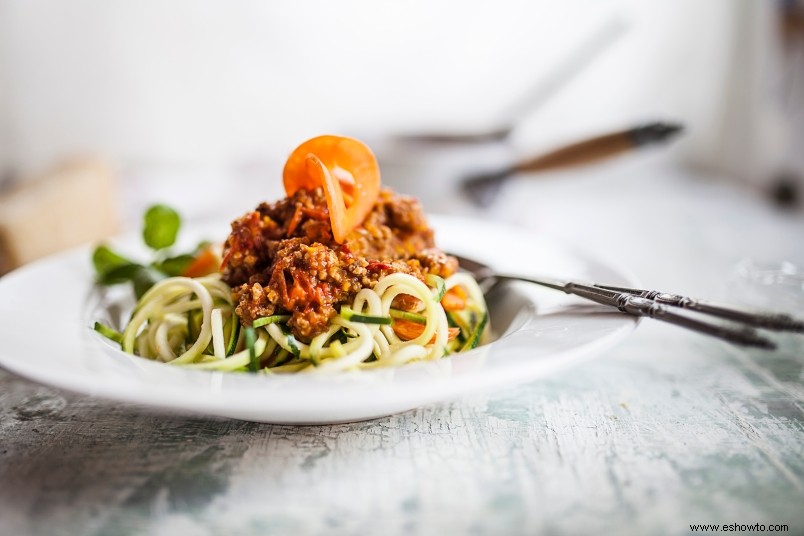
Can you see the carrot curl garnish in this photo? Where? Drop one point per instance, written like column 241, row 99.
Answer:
column 347, row 171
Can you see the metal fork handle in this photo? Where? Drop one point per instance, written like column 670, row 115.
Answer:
column 642, row 306
column 759, row 319
column 744, row 335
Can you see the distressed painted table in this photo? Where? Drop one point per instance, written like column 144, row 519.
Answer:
column 666, row 430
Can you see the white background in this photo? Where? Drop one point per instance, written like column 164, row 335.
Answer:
column 212, row 85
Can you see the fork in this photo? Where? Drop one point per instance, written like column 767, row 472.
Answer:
column 740, row 328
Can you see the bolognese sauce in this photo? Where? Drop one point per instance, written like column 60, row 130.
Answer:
column 283, row 258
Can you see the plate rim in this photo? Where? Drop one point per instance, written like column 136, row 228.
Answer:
column 454, row 386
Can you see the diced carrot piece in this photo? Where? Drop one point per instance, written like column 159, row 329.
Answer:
column 205, row 263
column 407, row 330
column 454, row 299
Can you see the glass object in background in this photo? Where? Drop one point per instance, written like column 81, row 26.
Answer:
column 771, row 285
column 777, row 286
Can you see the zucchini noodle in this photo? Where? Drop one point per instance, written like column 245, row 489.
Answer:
column 192, row 322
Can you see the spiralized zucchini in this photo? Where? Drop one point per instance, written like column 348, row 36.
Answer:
column 192, row 322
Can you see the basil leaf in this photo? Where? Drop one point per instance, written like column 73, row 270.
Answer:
column 160, row 227
column 120, row 274
column 105, row 260
column 174, row 266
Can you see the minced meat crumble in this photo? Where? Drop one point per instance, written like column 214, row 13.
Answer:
column 282, row 259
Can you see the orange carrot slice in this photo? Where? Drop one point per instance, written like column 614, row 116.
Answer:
column 338, row 213
column 348, row 172
column 407, row 330
column 454, row 299
column 204, row 264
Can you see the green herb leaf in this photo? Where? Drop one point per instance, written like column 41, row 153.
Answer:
column 105, row 260
column 161, row 227
column 121, row 274
column 174, row 266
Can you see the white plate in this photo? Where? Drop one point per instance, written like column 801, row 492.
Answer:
column 47, row 310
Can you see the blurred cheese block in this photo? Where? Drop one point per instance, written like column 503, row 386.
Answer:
column 71, row 204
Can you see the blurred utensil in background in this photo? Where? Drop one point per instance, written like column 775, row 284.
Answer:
column 484, row 187
column 431, row 165
column 587, row 51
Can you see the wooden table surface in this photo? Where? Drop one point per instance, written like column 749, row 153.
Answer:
column 668, row 429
